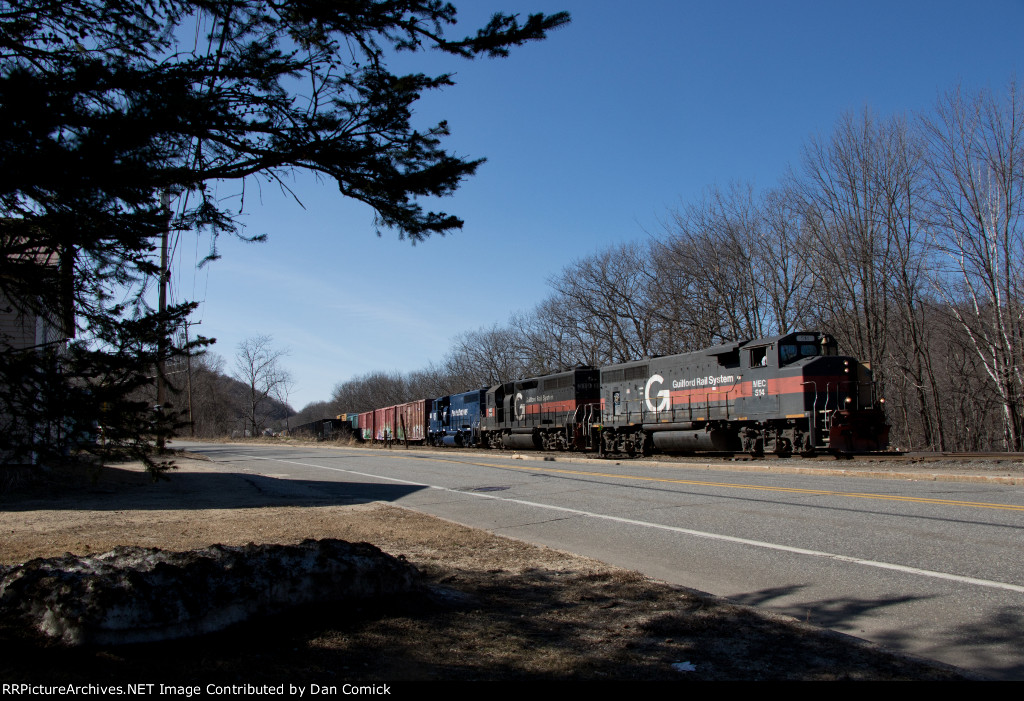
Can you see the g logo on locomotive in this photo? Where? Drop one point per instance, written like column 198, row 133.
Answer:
column 665, row 399
column 518, row 408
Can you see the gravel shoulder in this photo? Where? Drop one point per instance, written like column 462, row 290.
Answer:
column 492, row 608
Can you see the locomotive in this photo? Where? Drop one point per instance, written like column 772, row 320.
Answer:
column 554, row 412
column 785, row 394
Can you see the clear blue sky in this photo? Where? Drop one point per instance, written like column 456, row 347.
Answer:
column 591, row 137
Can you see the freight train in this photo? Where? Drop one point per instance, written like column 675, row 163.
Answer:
column 786, row 394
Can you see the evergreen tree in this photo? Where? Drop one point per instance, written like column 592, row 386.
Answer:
column 108, row 107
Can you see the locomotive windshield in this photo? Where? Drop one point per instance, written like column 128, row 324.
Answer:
column 788, row 352
column 805, row 346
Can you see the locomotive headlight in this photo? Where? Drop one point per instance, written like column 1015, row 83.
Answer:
column 849, row 399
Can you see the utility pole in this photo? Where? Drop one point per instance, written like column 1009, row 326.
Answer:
column 161, row 385
column 191, row 421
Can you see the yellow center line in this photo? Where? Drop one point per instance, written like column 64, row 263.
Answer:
column 731, row 485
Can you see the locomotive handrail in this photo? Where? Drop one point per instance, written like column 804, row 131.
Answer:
column 727, row 393
column 828, row 418
column 707, row 402
column 813, row 427
column 588, row 414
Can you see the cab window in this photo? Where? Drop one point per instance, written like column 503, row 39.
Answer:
column 759, row 357
column 789, row 352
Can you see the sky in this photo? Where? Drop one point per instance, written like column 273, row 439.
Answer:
column 592, row 137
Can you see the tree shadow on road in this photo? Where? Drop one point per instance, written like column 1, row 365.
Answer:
column 975, row 643
column 118, row 487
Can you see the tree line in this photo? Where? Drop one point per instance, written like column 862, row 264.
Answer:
column 900, row 236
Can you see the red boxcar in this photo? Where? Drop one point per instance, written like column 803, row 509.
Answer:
column 397, row 422
column 411, row 420
column 384, row 424
column 366, row 425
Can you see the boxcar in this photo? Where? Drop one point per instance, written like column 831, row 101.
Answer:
column 410, row 421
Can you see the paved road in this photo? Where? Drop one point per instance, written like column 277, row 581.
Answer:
column 931, row 568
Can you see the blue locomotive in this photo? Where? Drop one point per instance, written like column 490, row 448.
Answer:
column 455, row 419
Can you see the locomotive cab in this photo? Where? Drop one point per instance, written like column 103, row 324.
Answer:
column 786, row 350
column 800, row 395
column 844, row 415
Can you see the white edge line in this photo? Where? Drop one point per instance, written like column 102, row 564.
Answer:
column 675, row 529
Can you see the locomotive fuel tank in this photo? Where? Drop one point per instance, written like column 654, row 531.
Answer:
column 716, row 440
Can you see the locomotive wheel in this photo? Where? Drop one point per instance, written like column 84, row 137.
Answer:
column 647, row 447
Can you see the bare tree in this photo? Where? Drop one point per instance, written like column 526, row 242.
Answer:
column 729, row 268
column 371, row 391
column 281, row 392
column 844, row 196
column 485, row 357
column 783, row 265
column 435, row 380
column 861, row 195
column 258, row 367
column 686, row 318
column 548, row 339
column 603, row 297
column 976, row 164
column 314, row 411
column 913, row 340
